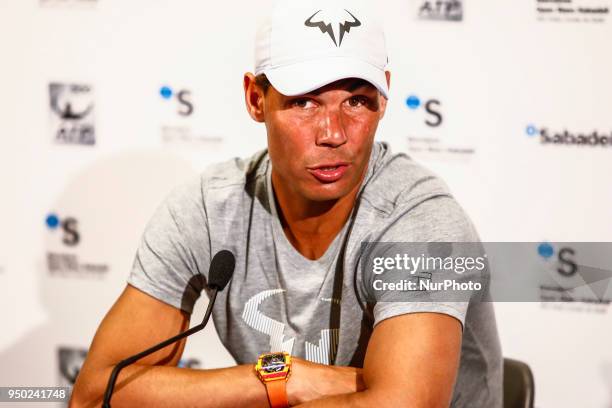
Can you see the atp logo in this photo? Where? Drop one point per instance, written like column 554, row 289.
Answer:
column 449, row 10
column 68, row 225
column 183, row 97
column 66, row 110
column 566, row 266
column 326, row 21
column 72, row 113
column 432, row 107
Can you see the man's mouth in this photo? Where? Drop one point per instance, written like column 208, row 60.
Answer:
column 329, row 173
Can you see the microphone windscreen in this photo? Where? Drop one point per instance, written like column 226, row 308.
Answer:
column 221, row 269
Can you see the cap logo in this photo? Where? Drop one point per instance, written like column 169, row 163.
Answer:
column 343, row 26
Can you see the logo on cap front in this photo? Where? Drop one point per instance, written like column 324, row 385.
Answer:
column 326, row 25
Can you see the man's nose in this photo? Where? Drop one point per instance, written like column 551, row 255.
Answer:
column 331, row 129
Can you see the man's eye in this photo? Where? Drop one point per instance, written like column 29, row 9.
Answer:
column 302, row 103
column 356, row 101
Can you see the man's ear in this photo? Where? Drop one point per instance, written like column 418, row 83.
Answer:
column 253, row 97
column 383, row 100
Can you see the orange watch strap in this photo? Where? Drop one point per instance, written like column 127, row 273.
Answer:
column 277, row 393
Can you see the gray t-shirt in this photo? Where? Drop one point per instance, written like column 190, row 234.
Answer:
column 278, row 299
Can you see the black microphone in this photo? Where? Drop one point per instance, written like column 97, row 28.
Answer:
column 221, row 269
column 220, row 273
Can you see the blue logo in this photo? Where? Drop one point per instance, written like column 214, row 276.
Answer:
column 545, row 250
column 52, row 221
column 166, row 92
column 413, row 102
column 531, row 130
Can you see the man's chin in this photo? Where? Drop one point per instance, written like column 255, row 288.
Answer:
column 327, row 192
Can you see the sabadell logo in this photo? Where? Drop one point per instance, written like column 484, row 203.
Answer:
column 565, row 137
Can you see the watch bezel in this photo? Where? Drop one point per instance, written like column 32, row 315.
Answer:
column 277, row 375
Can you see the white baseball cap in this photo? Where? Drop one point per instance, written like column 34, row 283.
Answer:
column 304, row 45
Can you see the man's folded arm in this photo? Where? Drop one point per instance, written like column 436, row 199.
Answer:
column 411, row 361
column 136, row 322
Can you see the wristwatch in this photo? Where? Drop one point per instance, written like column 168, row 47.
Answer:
column 273, row 370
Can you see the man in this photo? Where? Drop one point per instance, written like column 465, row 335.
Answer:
column 295, row 216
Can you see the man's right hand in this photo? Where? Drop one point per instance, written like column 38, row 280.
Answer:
column 310, row 381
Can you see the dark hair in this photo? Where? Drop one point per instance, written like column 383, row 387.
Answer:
column 262, row 81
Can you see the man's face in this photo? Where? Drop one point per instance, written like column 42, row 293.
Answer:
column 320, row 143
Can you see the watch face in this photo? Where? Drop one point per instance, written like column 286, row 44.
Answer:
column 273, row 363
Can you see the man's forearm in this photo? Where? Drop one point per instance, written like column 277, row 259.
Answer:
column 163, row 386
column 360, row 399
column 363, row 399
column 168, row 386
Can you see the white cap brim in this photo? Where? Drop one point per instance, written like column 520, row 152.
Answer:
column 306, row 76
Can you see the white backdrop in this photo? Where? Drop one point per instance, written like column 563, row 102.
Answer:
column 489, row 77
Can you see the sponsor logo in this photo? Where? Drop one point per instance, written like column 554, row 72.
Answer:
column 66, row 262
column 182, row 97
column 433, row 115
column 574, row 278
column 72, row 113
column 576, row 11
column 326, row 23
column 444, row 10
column 70, row 363
column 427, row 129
column 565, row 137
column 564, row 264
column 69, row 227
column 177, row 127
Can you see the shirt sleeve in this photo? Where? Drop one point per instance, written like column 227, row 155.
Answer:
column 437, row 220
column 171, row 262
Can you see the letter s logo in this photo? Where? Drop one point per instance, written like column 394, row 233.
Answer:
column 186, row 105
column 567, row 267
column 430, row 108
column 71, row 235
